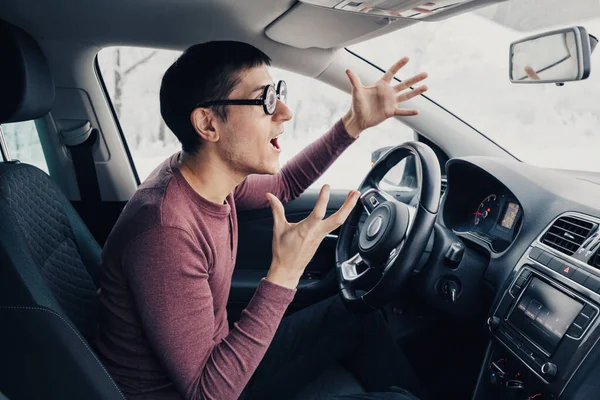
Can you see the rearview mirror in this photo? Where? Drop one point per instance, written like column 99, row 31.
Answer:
column 552, row 57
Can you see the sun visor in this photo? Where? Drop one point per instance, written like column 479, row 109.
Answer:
column 333, row 23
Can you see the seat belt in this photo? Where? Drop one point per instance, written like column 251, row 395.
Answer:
column 80, row 141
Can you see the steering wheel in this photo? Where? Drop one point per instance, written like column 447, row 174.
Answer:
column 394, row 235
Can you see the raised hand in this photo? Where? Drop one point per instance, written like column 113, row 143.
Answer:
column 372, row 105
column 295, row 244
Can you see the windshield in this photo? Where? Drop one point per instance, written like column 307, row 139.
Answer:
column 467, row 60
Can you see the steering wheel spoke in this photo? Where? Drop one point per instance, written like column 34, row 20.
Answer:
column 354, row 268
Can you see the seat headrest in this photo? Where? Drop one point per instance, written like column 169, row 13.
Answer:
column 26, row 85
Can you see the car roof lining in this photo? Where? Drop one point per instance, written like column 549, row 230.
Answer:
column 176, row 24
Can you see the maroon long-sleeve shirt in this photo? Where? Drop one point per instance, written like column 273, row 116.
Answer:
column 166, row 275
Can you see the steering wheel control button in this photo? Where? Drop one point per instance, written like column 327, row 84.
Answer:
column 374, row 202
column 374, row 227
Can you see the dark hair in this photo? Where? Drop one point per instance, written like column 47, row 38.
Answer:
column 204, row 72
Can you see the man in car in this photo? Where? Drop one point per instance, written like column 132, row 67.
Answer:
column 168, row 263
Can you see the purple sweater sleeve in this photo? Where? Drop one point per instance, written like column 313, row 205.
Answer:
column 297, row 174
column 168, row 275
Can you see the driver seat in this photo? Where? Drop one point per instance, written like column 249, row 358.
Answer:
column 49, row 261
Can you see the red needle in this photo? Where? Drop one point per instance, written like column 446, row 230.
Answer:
column 479, row 214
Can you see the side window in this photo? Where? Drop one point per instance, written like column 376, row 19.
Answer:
column 133, row 75
column 24, row 144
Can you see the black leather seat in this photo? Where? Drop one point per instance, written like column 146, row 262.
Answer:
column 49, row 261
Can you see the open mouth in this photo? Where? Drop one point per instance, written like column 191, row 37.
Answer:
column 275, row 142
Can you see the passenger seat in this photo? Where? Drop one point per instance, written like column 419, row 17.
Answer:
column 49, row 261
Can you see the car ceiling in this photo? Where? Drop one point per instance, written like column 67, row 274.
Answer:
column 177, row 24
column 173, row 24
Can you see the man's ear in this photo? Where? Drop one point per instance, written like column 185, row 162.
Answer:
column 203, row 120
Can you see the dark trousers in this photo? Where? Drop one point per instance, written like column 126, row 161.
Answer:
column 312, row 340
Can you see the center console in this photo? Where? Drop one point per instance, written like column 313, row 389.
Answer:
column 543, row 326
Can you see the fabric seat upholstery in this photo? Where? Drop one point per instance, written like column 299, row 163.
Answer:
column 49, row 261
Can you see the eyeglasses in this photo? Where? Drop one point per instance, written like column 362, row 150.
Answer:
column 268, row 100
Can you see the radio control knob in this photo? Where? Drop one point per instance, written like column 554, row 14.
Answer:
column 493, row 323
column 549, row 370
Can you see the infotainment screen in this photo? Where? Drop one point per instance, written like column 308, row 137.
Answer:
column 544, row 314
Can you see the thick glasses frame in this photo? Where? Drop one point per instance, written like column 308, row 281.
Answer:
column 280, row 94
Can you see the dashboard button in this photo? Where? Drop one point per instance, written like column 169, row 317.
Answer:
column 589, row 311
column 535, row 253
column 582, row 321
column 580, row 276
column 544, row 258
column 575, row 331
column 515, row 290
column 555, row 264
column 567, row 270
column 592, row 283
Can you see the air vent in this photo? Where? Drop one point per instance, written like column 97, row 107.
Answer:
column 567, row 234
column 444, row 186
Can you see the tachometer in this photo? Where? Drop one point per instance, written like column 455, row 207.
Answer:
column 487, row 213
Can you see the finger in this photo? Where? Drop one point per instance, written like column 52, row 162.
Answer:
column 277, row 209
column 410, row 82
column 412, row 93
column 320, row 209
column 354, row 79
column 337, row 219
column 394, row 69
column 405, row 112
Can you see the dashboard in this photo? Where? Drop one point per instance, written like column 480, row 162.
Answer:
column 539, row 230
column 482, row 209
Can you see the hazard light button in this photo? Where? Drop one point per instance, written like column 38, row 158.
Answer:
column 567, row 270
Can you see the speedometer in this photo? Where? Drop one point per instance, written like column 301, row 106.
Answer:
column 487, row 213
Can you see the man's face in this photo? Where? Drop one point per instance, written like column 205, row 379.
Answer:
column 247, row 139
